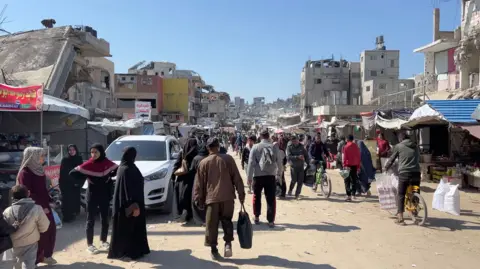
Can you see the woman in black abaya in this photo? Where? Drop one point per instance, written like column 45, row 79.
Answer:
column 69, row 187
column 184, row 183
column 198, row 214
column 129, row 233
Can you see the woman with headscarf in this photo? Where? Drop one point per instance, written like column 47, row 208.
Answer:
column 198, row 214
column 98, row 171
column 129, row 227
column 367, row 171
column 32, row 175
column 184, row 183
column 69, row 187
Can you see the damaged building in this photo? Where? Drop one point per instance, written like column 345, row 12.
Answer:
column 69, row 61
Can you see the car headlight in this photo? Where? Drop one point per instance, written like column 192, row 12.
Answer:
column 157, row 175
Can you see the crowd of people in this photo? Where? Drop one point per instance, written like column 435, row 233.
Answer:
column 207, row 182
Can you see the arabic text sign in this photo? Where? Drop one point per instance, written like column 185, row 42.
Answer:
column 53, row 173
column 143, row 110
column 29, row 98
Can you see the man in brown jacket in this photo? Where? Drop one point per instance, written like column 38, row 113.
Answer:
column 217, row 179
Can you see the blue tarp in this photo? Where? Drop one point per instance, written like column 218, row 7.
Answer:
column 455, row 111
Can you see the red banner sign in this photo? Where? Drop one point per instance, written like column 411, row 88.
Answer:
column 53, row 173
column 29, row 98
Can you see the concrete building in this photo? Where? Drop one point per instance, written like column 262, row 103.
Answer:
column 169, row 70
column 239, row 104
column 440, row 73
column 329, row 82
column 380, row 70
column 176, row 103
column 258, row 105
column 136, row 87
column 214, row 104
column 68, row 60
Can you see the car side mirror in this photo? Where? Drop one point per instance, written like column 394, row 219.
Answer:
column 175, row 155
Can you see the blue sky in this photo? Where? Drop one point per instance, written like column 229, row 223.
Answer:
column 247, row 48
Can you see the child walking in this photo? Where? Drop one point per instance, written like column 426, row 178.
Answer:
column 29, row 220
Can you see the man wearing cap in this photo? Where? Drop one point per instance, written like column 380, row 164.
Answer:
column 263, row 166
column 297, row 156
column 216, row 180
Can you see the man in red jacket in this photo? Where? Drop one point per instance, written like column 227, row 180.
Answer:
column 351, row 160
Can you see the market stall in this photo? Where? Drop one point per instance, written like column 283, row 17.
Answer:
column 447, row 147
column 30, row 118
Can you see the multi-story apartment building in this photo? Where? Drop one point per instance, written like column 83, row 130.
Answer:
column 177, row 104
column 329, row 82
column 239, row 104
column 138, row 87
column 379, row 72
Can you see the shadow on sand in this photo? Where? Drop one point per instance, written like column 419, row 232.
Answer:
column 452, row 224
column 276, row 262
column 180, row 259
column 89, row 265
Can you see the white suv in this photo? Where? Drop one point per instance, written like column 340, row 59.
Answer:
column 156, row 156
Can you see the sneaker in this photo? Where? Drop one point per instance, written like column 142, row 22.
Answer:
column 348, row 199
column 271, row 225
column 257, row 220
column 105, row 246
column 228, row 251
column 92, row 250
column 49, row 261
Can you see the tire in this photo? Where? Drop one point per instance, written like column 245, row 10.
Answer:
column 326, row 186
column 168, row 207
column 421, row 202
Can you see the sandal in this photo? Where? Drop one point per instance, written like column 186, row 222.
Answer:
column 348, row 199
column 400, row 222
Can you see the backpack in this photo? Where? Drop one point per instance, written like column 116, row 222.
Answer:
column 267, row 159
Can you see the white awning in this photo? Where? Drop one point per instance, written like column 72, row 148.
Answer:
column 437, row 46
column 394, row 124
column 105, row 127
column 425, row 115
column 54, row 104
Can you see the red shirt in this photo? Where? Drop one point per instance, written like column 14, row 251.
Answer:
column 351, row 155
column 383, row 147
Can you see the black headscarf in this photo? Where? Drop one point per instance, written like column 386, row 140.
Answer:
column 129, row 155
column 68, row 163
column 129, row 184
column 101, row 150
column 190, row 150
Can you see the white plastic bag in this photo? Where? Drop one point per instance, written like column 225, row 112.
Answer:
column 447, row 198
column 58, row 221
column 452, row 201
column 439, row 196
column 387, row 191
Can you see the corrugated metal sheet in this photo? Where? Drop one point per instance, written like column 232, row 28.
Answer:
column 456, row 111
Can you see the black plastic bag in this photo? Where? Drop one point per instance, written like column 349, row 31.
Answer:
column 244, row 229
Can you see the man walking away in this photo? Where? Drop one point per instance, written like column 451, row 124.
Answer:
column 408, row 155
column 297, row 156
column 351, row 161
column 30, row 221
column 245, row 155
column 217, row 179
column 262, row 167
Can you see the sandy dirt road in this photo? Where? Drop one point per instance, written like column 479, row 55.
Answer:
column 311, row 233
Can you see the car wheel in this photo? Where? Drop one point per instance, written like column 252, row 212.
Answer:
column 167, row 208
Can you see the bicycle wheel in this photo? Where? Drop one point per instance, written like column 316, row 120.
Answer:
column 420, row 214
column 326, row 186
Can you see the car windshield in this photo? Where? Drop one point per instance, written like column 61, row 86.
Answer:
column 146, row 150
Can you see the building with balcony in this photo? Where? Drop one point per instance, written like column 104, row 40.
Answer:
column 440, row 75
column 136, row 87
